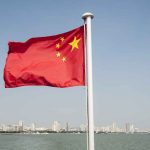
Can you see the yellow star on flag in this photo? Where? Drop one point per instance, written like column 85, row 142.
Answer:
column 57, row 45
column 74, row 43
column 58, row 54
column 64, row 59
column 62, row 39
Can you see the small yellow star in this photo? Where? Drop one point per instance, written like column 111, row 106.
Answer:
column 74, row 43
column 62, row 39
column 64, row 59
column 58, row 54
column 57, row 45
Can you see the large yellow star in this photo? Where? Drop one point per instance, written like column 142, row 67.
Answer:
column 74, row 43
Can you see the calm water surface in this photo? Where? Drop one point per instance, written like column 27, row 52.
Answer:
column 74, row 142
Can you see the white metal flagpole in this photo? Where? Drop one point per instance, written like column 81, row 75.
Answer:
column 90, row 115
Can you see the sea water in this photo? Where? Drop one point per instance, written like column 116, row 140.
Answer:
column 64, row 141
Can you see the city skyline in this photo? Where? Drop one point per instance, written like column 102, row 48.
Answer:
column 121, row 61
column 58, row 126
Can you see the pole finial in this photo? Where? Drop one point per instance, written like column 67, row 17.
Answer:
column 87, row 14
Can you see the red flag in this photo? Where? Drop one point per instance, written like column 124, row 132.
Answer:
column 56, row 61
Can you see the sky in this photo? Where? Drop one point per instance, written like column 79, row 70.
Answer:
column 121, row 62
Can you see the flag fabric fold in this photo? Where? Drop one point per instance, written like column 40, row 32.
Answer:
column 56, row 61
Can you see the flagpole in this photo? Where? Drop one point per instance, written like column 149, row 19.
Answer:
column 90, row 115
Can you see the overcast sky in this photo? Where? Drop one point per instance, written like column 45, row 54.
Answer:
column 121, row 62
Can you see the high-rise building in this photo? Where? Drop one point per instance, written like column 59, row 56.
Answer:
column 56, row 126
column 4, row 128
column 127, row 127
column 132, row 130
column 83, row 127
column 33, row 127
column 67, row 126
column 20, row 125
column 114, row 127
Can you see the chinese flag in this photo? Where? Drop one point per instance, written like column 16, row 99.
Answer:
column 56, row 61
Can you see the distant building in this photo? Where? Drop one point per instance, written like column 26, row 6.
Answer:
column 115, row 128
column 67, row 127
column 127, row 127
column 83, row 127
column 56, row 126
column 33, row 127
column 20, row 125
column 1, row 128
column 132, row 130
